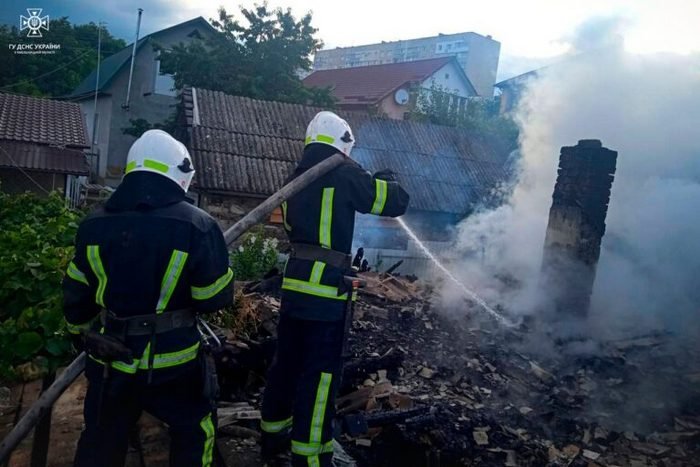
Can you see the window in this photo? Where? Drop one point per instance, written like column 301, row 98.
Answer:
column 447, row 76
column 164, row 82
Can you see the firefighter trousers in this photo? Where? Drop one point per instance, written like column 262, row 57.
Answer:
column 299, row 398
column 178, row 402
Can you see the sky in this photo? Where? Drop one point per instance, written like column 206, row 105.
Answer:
column 532, row 33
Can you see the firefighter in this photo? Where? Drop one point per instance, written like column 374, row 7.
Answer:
column 299, row 398
column 146, row 264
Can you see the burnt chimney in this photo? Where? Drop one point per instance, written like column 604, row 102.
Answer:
column 577, row 225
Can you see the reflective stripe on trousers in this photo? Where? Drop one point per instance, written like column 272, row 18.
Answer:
column 314, row 447
column 208, row 428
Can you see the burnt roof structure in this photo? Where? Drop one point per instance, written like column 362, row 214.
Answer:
column 42, row 134
column 248, row 147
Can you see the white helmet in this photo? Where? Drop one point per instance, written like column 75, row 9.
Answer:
column 327, row 128
column 158, row 152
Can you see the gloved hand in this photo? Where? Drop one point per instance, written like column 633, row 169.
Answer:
column 106, row 348
column 386, row 174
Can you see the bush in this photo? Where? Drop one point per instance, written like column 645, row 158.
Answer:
column 255, row 256
column 440, row 106
column 36, row 245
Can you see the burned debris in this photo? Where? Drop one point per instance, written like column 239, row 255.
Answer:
column 426, row 389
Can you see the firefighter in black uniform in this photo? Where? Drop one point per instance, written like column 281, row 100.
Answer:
column 145, row 265
column 299, row 399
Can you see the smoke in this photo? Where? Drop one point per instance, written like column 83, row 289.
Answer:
column 598, row 33
column 648, row 109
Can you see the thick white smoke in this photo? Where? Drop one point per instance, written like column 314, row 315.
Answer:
column 648, row 109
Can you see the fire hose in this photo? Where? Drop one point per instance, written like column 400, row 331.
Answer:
column 47, row 399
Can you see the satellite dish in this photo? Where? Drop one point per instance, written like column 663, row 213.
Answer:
column 401, row 96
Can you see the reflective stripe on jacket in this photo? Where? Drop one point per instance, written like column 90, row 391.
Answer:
column 323, row 214
column 148, row 251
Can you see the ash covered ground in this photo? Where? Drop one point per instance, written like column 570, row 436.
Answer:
column 449, row 389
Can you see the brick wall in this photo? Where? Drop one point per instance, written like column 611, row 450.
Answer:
column 577, row 224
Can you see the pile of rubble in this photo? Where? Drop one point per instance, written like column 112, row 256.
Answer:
column 425, row 388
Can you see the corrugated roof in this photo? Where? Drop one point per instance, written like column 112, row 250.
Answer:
column 44, row 121
column 42, row 158
column 246, row 146
column 370, row 84
column 111, row 65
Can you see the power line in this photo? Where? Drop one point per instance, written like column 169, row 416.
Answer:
column 47, row 73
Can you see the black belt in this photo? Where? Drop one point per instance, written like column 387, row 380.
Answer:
column 326, row 255
column 146, row 325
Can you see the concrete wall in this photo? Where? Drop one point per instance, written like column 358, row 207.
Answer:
column 449, row 79
column 478, row 55
column 104, row 122
column 388, row 108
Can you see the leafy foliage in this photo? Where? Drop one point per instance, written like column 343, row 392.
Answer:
column 259, row 58
column 139, row 126
column 36, row 245
column 53, row 74
column 441, row 107
column 255, row 256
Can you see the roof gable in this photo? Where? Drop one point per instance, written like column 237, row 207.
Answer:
column 370, row 84
column 249, row 147
column 111, row 65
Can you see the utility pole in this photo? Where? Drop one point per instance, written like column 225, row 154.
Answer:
column 93, row 143
column 133, row 59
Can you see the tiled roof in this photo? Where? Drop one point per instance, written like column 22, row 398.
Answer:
column 42, row 158
column 46, row 121
column 370, row 84
column 249, row 147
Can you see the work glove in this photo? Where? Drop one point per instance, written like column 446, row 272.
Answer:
column 386, row 174
column 106, row 348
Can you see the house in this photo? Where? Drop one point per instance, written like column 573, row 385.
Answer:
column 477, row 55
column 511, row 90
column 42, row 144
column 389, row 90
column 244, row 149
column 152, row 96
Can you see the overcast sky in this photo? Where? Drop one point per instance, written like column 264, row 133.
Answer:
column 531, row 32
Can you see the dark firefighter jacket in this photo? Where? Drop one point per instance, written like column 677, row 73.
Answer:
column 323, row 214
column 148, row 251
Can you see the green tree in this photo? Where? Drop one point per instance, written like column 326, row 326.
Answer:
column 260, row 57
column 441, row 107
column 36, row 244
column 54, row 74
